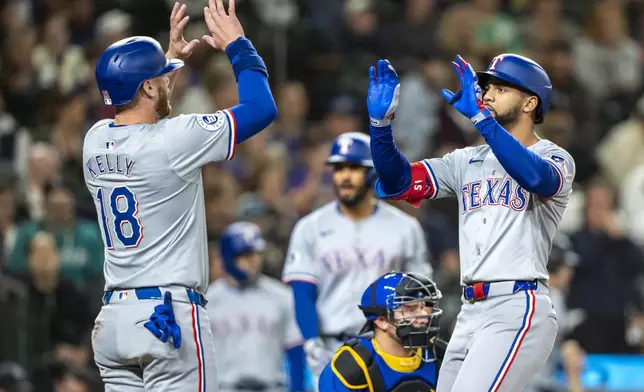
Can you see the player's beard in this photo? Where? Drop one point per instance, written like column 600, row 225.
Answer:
column 351, row 201
column 163, row 107
column 510, row 117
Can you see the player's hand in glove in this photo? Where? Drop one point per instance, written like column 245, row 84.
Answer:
column 384, row 93
column 317, row 355
column 469, row 99
column 162, row 323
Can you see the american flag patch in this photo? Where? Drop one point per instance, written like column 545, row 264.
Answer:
column 110, row 145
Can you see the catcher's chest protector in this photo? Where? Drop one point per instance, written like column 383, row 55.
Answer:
column 373, row 380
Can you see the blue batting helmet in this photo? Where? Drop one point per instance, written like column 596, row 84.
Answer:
column 237, row 239
column 524, row 73
column 353, row 147
column 126, row 64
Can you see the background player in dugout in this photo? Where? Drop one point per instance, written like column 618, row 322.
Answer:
column 252, row 313
column 337, row 250
column 404, row 353
column 168, row 347
column 512, row 192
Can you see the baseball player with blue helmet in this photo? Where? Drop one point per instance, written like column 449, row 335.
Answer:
column 251, row 313
column 404, row 353
column 342, row 247
column 512, row 193
column 144, row 172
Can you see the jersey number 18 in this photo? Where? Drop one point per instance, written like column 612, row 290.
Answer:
column 124, row 209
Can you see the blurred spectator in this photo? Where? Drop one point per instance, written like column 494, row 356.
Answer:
column 607, row 61
column 19, row 78
column 291, row 125
column 14, row 378
column 545, row 25
column 13, row 313
column 489, row 32
column 7, row 219
column 609, row 263
column 58, row 314
column 632, row 202
column 59, row 64
column 81, row 21
column 43, row 169
column 112, row 26
column 623, row 148
column 15, row 142
column 79, row 241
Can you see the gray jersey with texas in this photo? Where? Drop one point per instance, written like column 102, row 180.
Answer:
column 506, row 233
column 342, row 257
column 252, row 328
column 146, row 183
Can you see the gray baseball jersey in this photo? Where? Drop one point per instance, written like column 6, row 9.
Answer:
column 147, row 188
column 506, row 233
column 342, row 257
column 252, row 329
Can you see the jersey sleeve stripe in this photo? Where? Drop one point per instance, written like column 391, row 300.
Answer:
column 559, row 174
column 232, row 141
column 432, row 179
column 300, row 277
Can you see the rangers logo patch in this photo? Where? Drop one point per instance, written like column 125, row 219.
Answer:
column 211, row 122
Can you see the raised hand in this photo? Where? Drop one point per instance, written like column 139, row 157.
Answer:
column 179, row 48
column 467, row 100
column 384, row 93
column 224, row 27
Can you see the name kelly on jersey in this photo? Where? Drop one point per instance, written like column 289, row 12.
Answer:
column 100, row 164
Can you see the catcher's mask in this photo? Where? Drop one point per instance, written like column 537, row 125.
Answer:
column 408, row 301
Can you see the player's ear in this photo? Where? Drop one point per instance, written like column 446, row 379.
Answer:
column 148, row 89
column 530, row 104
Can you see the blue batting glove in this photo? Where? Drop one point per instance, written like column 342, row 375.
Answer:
column 469, row 99
column 162, row 323
column 384, row 93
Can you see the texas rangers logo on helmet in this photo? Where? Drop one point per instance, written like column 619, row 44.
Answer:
column 345, row 143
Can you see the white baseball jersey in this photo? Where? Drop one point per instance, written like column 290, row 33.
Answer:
column 147, row 188
column 505, row 233
column 342, row 257
column 252, row 328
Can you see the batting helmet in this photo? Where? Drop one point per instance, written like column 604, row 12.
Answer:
column 353, row 147
column 237, row 239
column 390, row 293
column 524, row 73
column 126, row 64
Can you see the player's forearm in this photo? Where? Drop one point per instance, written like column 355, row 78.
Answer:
column 296, row 363
column 530, row 170
column 306, row 314
column 394, row 170
column 256, row 109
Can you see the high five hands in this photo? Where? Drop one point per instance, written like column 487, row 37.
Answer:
column 179, row 48
column 224, row 27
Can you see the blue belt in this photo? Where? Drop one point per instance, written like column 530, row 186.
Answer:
column 480, row 291
column 155, row 293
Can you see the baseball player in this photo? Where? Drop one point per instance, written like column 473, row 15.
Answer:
column 144, row 173
column 404, row 353
column 344, row 246
column 251, row 313
column 512, row 193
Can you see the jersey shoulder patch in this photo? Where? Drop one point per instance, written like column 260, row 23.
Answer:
column 211, row 122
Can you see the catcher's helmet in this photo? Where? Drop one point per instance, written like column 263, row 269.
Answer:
column 237, row 239
column 393, row 291
column 126, row 64
column 524, row 73
column 353, row 147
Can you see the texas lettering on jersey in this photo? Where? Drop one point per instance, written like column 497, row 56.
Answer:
column 495, row 191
